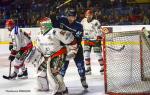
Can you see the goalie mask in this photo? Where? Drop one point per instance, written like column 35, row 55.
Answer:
column 45, row 25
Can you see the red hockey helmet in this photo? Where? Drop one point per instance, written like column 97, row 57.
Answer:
column 10, row 23
column 89, row 12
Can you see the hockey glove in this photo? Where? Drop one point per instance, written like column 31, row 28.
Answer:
column 11, row 57
column 10, row 46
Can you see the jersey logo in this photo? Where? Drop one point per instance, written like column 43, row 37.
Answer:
column 62, row 33
column 96, row 24
column 107, row 30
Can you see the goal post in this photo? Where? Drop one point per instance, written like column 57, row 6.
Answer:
column 126, row 58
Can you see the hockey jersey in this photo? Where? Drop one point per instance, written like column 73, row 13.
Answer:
column 76, row 28
column 91, row 29
column 50, row 43
column 19, row 38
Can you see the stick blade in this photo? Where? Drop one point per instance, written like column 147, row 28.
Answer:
column 6, row 77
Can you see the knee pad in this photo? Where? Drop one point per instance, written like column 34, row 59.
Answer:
column 87, row 54
column 98, row 55
column 97, row 49
column 53, row 82
column 42, row 81
column 86, row 48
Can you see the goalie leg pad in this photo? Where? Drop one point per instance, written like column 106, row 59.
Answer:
column 53, row 82
column 61, row 83
column 42, row 81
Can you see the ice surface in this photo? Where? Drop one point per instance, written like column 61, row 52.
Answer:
column 28, row 86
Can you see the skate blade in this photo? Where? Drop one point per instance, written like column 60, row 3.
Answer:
column 24, row 77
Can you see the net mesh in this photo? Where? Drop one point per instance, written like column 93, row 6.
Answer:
column 127, row 64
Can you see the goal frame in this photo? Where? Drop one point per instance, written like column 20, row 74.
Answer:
column 104, row 46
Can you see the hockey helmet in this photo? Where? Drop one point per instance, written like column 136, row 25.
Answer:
column 46, row 24
column 10, row 23
column 89, row 15
column 71, row 12
column 89, row 12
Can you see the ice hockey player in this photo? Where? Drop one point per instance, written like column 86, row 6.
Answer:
column 91, row 39
column 49, row 46
column 20, row 47
column 147, row 33
column 69, row 23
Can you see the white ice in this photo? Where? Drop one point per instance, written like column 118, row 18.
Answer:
column 28, row 86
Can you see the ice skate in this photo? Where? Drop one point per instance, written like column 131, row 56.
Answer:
column 83, row 82
column 23, row 75
column 88, row 71
column 12, row 76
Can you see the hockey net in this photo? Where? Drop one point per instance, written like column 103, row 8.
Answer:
column 126, row 63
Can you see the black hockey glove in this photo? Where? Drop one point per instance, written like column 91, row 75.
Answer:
column 11, row 58
column 10, row 47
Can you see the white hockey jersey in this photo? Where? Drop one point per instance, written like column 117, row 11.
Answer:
column 91, row 29
column 19, row 38
column 50, row 43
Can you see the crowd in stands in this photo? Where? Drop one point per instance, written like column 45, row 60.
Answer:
column 108, row 12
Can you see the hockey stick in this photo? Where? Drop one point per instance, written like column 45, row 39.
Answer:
column 115, row 49
column 120, row 49
column 63, row 4
column 7, row 77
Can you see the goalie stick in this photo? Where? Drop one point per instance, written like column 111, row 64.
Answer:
column 8, row 77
